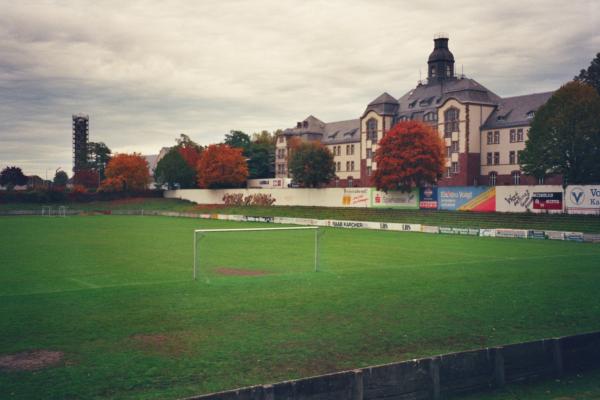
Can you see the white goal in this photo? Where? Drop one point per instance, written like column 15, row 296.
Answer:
column 47, row 211
column 238, row 248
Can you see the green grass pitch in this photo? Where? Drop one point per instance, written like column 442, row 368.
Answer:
column 115, row 295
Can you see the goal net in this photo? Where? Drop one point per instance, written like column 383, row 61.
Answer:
column 256, row 251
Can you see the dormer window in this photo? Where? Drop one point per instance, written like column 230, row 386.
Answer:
column 305, row 124
column 501, row 117
column 430, row 116
column 413, row 104
column 530, row 114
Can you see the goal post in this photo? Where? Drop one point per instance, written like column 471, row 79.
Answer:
column 200, row 233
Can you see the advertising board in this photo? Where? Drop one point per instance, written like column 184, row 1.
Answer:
column 467, row 198
column 395, row 199
column 428, row 198
column 547, row 200
column 356, row 197
column 583, row 199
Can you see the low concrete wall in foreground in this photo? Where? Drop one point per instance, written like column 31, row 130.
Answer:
column 439, row 376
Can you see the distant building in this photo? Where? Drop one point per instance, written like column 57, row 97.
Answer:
column 80, row 141
column 153, row 159
column 483, row 133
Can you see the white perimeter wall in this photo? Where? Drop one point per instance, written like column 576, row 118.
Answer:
column 330, row 197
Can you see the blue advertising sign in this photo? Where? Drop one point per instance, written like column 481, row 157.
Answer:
column 467, row 198
column 428, row 198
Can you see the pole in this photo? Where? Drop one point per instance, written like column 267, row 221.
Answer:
column 316, row 250
column 194, row 255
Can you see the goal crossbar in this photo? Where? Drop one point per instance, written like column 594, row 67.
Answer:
column 290, row 228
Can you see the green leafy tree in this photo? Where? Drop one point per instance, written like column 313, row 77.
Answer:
column 311, row 164
column 172, row 170
column 99, row 155
column 264, row 137
column 61, row 178
column 564, row 137
column 239, row 140
column 11, row 177
column 591, row 76
column 184, row 141
column 261, row 160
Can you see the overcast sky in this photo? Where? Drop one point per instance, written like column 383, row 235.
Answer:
column 147, row 71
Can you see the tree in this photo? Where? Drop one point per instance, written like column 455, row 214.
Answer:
column 591, row 76
column 185, row 141
column 126, row 172
column 99, row 155
column 222, row 166
column 261, row 160
column 411, row 154
column 311, row 164
column 11, row 177
column 88, row 178
column 61, row 179
column 264, row 137
column 238, row 139
column 564, row 137
column 173, row 170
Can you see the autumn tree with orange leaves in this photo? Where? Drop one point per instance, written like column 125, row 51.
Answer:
column 410, row 155
column 221, row 166
column 126, row 172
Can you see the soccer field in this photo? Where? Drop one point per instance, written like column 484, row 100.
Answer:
column 113, row 296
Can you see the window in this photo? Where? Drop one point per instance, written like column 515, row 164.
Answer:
column 369, row 170
column 351, row 165
column 450, row 121
column 339, row 166
column 513, row 135
column 511, row 157
column 455, row 146
column 519, row 135
column 448, row 172
column 448, row 70
column 496, row 158
column 454, row 167
column 347, row 149
column 430, row 116
column 490, row 137
column 489, row 159
column 518, row 157
column 334, row 167
column 432, row 71
column 516, row 178
column 352, row 149
column 280, row 139
column 448, row 151
column 496, row 137
column 492, row 179
column 348, row 166
column 350, row 182
column 369, row 153
column 372, row 130
column 541, row 180
column 339, row 150
column 531, row 114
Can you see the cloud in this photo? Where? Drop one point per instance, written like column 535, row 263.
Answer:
column 147, row 71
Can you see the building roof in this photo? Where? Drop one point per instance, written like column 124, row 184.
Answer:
column 330, row 132
column 384, row 104
column 516, row 111
column 428, row 97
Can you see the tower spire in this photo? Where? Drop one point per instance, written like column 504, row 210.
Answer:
column 441, row 60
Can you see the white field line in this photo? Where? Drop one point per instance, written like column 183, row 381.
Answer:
column 94, row 287
column 84, row 283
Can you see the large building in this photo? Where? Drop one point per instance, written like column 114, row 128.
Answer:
column 483, row 132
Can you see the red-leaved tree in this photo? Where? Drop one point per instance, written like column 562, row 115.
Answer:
column 126, row 172
column 411, row 154
column 191, row 155
column 221, row 166
column 88, row 178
